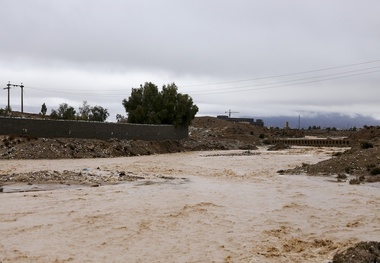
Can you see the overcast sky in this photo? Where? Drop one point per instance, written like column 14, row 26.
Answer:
column 257, row 58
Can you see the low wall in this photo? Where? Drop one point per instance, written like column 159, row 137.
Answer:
column 89, row 130
column 318, row 142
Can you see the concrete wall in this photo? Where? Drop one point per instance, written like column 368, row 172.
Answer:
column 89, row 130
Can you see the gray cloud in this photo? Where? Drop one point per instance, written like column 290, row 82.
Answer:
column 98, row 50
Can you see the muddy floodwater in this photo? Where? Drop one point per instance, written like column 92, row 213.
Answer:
column 190, row 207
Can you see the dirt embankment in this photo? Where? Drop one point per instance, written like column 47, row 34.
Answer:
column 361, row 161
column 362, row 252
column 208, row 133
column 45, row 148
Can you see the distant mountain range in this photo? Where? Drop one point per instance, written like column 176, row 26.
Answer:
column 321, row 120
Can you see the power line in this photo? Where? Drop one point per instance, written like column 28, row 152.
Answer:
column 294, row 80
column 261, row 86
column 282, row 75
column 286, row 85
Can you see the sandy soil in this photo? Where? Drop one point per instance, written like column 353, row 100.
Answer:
column 191, row 207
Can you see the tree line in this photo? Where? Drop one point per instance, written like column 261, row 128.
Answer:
column 145, row 105
column 85, row 113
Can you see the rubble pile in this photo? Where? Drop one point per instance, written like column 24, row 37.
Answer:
column 361, row 161
column 63, row 148
column 84, row 177
column 362, row 252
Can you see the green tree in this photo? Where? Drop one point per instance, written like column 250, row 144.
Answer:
column 147, row 105
column 67, row 112
column 54, row 114
column 120, row 118
column 353, row 129
column 8, row 110
column 64, row 112
column 84, row 111
column 43, row 109
column 169, row 96
column 98, row 113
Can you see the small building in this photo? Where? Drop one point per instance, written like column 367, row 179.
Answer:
column 258, row 122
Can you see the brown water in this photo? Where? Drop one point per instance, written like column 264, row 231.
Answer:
column 220, row 209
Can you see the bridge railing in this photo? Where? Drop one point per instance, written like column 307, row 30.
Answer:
column 318, row 142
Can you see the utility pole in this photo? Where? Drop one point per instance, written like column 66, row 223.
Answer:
column 22, row 99
column 9, row 100
column 299, row 122
column 229, row 113
column 9, row 85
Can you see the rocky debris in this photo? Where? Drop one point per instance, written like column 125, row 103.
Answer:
column 370, row 134
column 208, row 133
column 85, row 177
column 43, row 180
column 288, row 133
column 62, row 148
column 278, row 146
column 362, row 252
column 245, row 153
column 361, row 163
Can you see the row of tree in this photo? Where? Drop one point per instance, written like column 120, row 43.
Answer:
column 145, row 105
column 86, row 112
